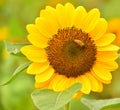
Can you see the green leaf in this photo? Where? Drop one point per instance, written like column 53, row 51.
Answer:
column 93, row 104
column 14, row 48
column 45, row 99
column 16, row 72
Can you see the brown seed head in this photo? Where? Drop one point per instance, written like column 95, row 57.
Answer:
column 71, row 52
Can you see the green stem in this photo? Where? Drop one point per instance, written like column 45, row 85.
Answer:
column 66, row 107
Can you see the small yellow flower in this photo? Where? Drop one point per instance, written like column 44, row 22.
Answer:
column 114, row 27
column 3, row 33
column 70, row 45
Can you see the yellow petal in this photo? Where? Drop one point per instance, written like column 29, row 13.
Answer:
column 50, row 13
column 101, row 74
column 41, row 85
column 61, row 84
column 86, row 85
column 46, row 75
column 105, row 40
column 99, row 29
column 80, row 13
column 34, row 54
column 65, row 15
column 69, row 11
column 90, row 20
column 45, row 28
column 69, row 82
column 44, row 84
column 99, row 79
column 94, row 83
column 106, row 56
column 110, row 47
column 36, row 68
column 54, row 82
column 60, row 11
column 31, row 28
column 38, row 40
column 109, row 65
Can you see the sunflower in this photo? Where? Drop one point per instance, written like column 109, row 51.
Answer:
column 70, row 45
column 114, row 27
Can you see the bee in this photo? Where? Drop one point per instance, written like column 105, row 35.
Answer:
column 79, row 42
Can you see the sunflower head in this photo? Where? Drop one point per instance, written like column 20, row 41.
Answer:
column 70, row 45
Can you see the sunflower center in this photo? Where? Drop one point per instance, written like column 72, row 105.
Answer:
column 71, row 52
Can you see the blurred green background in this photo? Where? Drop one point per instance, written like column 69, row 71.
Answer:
column 14, row 16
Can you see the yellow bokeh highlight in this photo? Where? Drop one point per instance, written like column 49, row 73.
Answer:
column 3, row 33
column 114, row 27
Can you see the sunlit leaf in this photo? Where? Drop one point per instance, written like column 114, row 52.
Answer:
column 49, row 100
column 16, row 72
column 14, row 48
column 101, row 104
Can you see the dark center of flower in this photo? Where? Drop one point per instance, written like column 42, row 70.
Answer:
column 71, row 52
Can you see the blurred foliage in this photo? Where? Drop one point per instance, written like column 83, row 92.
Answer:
column 16, row 95
column 15, row 15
